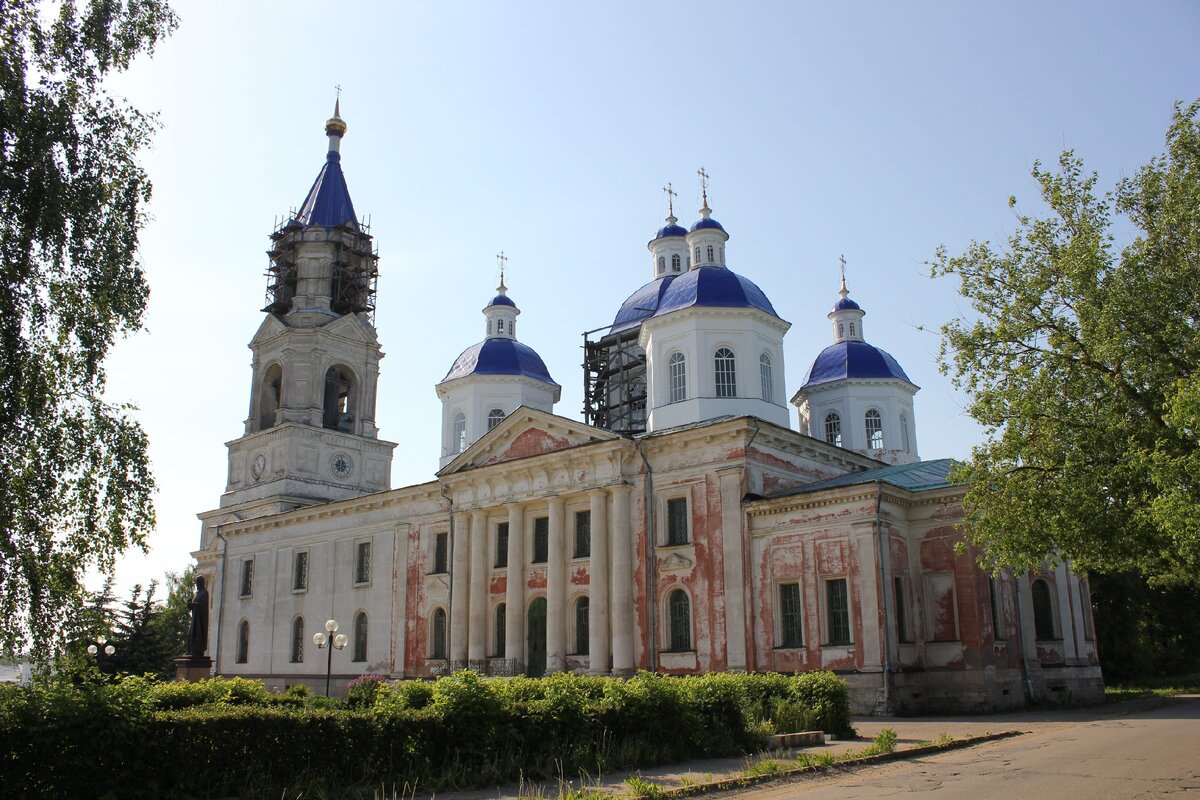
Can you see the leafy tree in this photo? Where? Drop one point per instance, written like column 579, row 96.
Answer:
column 1081, row 364
column 75, row 484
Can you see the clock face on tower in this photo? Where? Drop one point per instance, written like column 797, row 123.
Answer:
column 259, row 466
column 341, row 465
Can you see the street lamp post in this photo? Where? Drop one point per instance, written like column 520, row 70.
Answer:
column 94, row 649
column 321, row 640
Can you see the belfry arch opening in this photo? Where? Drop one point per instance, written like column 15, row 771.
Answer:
column 270, row 394
column 339, row 399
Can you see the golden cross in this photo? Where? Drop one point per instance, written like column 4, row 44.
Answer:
column 502, row 262
column 671, row 195
column 703, row 184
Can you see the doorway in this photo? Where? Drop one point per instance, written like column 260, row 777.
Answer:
column 535, row 664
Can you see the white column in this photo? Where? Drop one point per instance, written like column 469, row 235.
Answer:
column 556, row 590
column 734, row 589
column 477, row 626
column 599, row 640
column 622, row 582
column 1066, row 603
column 514, row 599
column 460, row 589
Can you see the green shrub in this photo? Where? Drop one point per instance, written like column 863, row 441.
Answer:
column 361, row 692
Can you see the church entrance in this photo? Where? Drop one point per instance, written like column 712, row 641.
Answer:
column 535, row 664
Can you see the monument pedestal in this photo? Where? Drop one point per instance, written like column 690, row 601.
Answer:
column 193, row 668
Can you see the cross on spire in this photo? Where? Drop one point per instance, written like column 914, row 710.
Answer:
column 501, row 262
column 671, row 195
column 842, row 259
column 703, row 184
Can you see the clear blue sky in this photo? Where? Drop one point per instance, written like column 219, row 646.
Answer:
column 877, row 130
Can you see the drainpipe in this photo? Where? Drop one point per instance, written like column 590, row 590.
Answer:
column 453, row 566
column 1029, row 694
column 744, row 533
column 885, row 557
column 651, row 560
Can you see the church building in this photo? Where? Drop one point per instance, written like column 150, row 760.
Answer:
column 686, row 524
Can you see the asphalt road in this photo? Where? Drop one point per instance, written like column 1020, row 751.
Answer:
column 1154, row 753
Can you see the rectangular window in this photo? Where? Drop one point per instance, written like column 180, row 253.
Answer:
column 501, row 545
column 837, row 611
column 994, row 596
column 677, row 520
column 440, row 553
column 901, row 610
column 791, row 624
column 247, row 577
column 583, row 534
column 362, row 562
column 541, row 540
column 300, row 572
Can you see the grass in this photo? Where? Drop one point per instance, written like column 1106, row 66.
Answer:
column 1158, row 686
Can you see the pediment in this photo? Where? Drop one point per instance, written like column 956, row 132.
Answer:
column 675, row 562
column 271, row 327
column 525, row 433
column 353, row 327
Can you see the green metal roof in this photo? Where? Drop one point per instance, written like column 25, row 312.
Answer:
column 913, row 477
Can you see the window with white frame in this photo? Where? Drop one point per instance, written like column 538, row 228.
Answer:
column 833, row 429
column 242, row 655
column 583, row 534
column 662, row 265
column 791, row 620
column 837, row 612
column 764, row 377
column 874, row 427
column 441, row 554
column 710, row 254
column 677, row 373
column 297, row 648
column 247, row 584
column 541, row 540
column 437, row 633
column 726, row 373
column 495, row 417
column 679, row 613
column 1043, row 611
column 360, row 636
column 362, row 562
column 675, row 263
column 904, row 433
column 458, row 433
column 300, row 571
column 498, row 630
column 678, row 521
column 582, row 608
column 501, row 559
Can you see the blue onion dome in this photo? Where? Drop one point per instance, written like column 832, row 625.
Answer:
column 853, row 359
column 642, row 304
column 502, row 300
column 707, row 222
column 499, row 357
column 670, row 229
column 846, row 304
column 715, row 287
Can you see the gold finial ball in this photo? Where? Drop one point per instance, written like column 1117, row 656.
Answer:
column 335, row 125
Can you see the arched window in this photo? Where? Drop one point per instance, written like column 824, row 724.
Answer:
column 339, row 407
column 841, row 329
column 489, row 326
column 500, row 629
column 458, row 434
column 874, row 424
column 512, row 327
column 697, row 254
column 725, row 373
column 904, row 433
column 637, row 400
column 243, row 643
column 270, row 394
column 662, row 265
column 675, row 263
column 1043, row 611
column 851, row 328
column 360, row 636
column 677, row 371
column 680, row 611
column 764, row 375
column 710, row 253
column 297, row 640
column 582, row 606
column 437, row 634
column 833, row 429
column 495, row 417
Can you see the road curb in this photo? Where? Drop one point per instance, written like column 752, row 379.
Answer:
column 746, row 781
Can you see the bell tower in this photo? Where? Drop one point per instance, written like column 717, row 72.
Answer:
column 310, row 435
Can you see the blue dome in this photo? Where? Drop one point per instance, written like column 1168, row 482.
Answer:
column 845, row 304
column 502, row 300
column 713, row 287
column 850, row 359
column 328, row 202
column 670, row 230
column 499, row 356
column 641, row 304
column 707, row 222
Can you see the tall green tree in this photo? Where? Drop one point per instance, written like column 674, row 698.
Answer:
column 75, row 484
column 1082, row 362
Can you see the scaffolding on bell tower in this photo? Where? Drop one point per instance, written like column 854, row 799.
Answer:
column 614, row 381
column 354, row 269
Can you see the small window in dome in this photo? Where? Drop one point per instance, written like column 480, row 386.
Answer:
column 851, row 328
column 833, row 429
column 710, row 252
column 677, row 377
column 675, row 263
column 697, row 254
column 726, row 379
column 874, row 425
column 459, row 435
column 512, row 327
column 721, row 253
column 662, row 265
column 841, row 329
column 495, row 417
column 489, row 327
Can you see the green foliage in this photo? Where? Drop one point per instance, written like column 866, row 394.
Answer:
column 1081, row 364
column 642, row 788
column 230, row 737
column 74, row 475
column 885, row 741
column 1144, row 631
column 361, row 692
